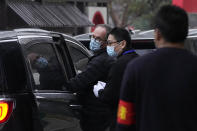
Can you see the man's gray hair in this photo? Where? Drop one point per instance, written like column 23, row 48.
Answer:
column 107, row 27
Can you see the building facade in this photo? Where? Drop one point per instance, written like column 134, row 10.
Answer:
column 68, row 16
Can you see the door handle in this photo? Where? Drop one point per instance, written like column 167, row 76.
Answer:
column 75, row 107
column 39, row 97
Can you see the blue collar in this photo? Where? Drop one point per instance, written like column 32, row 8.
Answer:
column 127, row 52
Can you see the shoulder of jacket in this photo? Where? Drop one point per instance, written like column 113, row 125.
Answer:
column 127, row 57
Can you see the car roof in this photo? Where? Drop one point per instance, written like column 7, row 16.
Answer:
column 31, row 31
column 14, row 34
column 143, row 35
column 192, row 32
column 149, row 34
column 41, row 32
column 4, row 35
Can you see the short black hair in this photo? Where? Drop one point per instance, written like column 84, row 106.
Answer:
column 172, row 22
column 121, row 34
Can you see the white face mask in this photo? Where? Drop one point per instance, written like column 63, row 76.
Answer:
column 111, row 51
column 41, row 63
column 94, row 45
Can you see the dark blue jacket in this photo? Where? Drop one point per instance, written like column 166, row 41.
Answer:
column 161, row 89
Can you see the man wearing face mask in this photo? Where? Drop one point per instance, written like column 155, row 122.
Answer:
column 95, row 115
column 37, row 61
column 49, row 77
column 158, row 92
column 120, row 47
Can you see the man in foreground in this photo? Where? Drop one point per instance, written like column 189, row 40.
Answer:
column 159, row 89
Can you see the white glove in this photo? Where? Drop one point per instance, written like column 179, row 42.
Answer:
column 100, row 85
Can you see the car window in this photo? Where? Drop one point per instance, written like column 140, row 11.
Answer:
column 79, row 59
column 45, row 67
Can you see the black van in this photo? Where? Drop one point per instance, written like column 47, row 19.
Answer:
column 25, row 90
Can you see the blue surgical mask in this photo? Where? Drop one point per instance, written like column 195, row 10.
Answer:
column 111, row 52
column 94, row 45
column 41, row 63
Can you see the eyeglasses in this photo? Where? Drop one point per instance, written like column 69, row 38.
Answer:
column 111, row 42
column 97, row 39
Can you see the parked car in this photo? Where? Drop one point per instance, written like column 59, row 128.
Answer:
column 31, row 96
column 21, row 80
column 143, row 42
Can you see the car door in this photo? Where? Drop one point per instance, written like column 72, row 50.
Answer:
column 79, row 55
column 58, row 108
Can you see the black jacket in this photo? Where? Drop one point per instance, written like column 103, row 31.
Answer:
column 162, row 86
column 97, row 70
column 95, row 115
column 111, row 93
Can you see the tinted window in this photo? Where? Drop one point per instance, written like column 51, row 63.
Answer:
column 12, row 67
column 46, row 69
column 79, row 58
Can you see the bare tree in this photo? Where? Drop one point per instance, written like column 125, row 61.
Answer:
column 119, row 17
column 127, row 12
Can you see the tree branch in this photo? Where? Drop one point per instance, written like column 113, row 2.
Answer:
column 114, row 17
column 125, row 15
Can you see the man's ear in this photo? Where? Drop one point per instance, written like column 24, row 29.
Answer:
column 157, row 35
column 123, row 44
column 103, row 45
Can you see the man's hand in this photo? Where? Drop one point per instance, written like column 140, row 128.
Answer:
column 100, row 85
